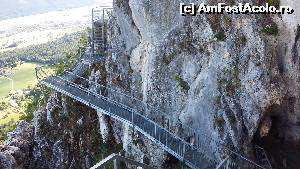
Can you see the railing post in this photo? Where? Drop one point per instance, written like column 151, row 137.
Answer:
column 93, row 33
column 227, row 164
column 103, row 20
column 183, row 151
column 154, row 130
column 146, row 108
column 166, row 139
column 116, row 164
column 132, row 116
column 109, row 107
column 97, row 86
column 159, row 136
column 198, row 141
column 89, row 98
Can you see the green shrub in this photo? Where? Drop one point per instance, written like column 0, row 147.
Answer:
column 231, row 2
column 219, row 123
column 271, row 29
column 232, row 119
column 6, row 128
column 243, row 40
column 182, row 84
column 167, row 59
column 220, row 36
column 275, row 3
column 31, row 103
column 3, row 105
column 59, row 69
column 218, row 101
column 228, row 20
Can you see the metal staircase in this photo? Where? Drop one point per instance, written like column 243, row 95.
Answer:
column 173, row 136
column 100, row 17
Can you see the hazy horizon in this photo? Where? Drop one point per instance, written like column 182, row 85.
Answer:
column 20, row 8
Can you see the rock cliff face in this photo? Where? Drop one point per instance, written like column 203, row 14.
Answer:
column 224, row 75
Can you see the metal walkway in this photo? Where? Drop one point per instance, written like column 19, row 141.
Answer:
column 135, row 113
column 158, row 134
column 172, row 136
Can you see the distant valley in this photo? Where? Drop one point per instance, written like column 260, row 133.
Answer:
column 19, row 8
column 43, row 37
column 41, row 28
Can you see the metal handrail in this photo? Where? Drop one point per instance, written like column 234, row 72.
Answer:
column 124, row 106
column 136, row 110
column 86, row 90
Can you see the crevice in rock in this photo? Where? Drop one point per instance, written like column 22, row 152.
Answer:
column 296, row 46
column 271, row 135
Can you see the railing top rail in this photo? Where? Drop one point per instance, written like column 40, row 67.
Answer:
column 133, row 111
column 103, row 6
column 195, row 130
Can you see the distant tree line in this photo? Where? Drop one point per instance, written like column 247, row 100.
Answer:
column 53, row 52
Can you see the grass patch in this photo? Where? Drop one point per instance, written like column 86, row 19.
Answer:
column 9, row 116
column 23, row 76
column 4, row 129
column 15, row 116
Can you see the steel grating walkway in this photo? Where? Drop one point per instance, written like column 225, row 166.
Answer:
column 161, row 136
column 193, row 156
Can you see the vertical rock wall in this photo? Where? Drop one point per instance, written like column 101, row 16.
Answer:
column 223, row 87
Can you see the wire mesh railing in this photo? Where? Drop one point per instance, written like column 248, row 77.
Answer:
column 194, row 137
column 169, row 141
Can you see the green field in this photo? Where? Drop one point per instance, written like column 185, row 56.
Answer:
column 23, row 76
